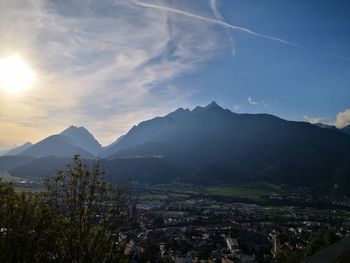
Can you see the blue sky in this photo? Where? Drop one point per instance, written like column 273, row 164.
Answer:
column 108, row 65
column 310, row 79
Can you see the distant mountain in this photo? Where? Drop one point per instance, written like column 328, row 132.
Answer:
column 9, row 162
column 18, row 149
column 224, row 147
column 346, row 129
column 56, row 145
column 146, row 131
column 73, row 140
column 113, row 143
column 148, row 170
column 82, row 138
column 209, row 145
column 2, row 152
column 145, row 169
column 40, row 168
column 326, row 126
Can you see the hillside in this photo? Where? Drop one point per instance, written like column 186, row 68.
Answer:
column 82, row 138
column 18, row 149
column 346, row 129
column 57, row 145
column 210, row 146
column 224, row 147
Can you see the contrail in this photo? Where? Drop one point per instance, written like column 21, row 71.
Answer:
column 215, row 21
column 340, row 57
column 218, row 15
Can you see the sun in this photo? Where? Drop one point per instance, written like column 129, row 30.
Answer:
column 15, row 74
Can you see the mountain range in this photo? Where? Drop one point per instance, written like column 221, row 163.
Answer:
column 206, row 145
column 18, row 149
column 346, row 129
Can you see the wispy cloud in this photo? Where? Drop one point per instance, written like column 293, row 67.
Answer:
column 214, row 21
column 218, row 15
column 237, row 107
column 265, row 103
column 334, row 55
column 313, row 119
column 252, row 102
column 97, row 63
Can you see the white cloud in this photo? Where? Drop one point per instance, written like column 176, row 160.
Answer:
column 343, row 119
column 314, row 120
column 215, row 21
column 97, row 66
column 252, row 102
column 218, row 15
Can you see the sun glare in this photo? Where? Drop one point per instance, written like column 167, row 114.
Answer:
column 15, row 74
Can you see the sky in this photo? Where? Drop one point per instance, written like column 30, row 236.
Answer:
column 110, row 64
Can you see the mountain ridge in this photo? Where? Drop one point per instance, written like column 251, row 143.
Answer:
column 246, row 146
column 346, row 129
column 57, row 145
column 213, row 145
column 17, row 149
column 82, row 138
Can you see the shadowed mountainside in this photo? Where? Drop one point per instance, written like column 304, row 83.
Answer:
column 346, row 129
column 18, row 149
column 224, row 147
column 212, row 145
column 57, row 145
column 82, row 138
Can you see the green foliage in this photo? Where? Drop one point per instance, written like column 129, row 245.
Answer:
column 76, row 218
column 323, row 240
column 27, row 232
column 320, row 242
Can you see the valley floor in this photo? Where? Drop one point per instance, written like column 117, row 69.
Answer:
column 247, row 223
column 243, row 223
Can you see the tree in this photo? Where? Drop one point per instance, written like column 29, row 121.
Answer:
column 77, row 218
column 324, row 239
column 26, row 232
column 89, row 211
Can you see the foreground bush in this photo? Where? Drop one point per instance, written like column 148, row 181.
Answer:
column 323, row 240
column 75, row 219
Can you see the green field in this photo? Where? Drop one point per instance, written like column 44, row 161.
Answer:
column 171, row 191
column 249, row 192
column 241, row 192
column 8, row 178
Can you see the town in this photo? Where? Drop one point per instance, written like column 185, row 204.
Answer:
column 210, row 230
column 245, row 223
